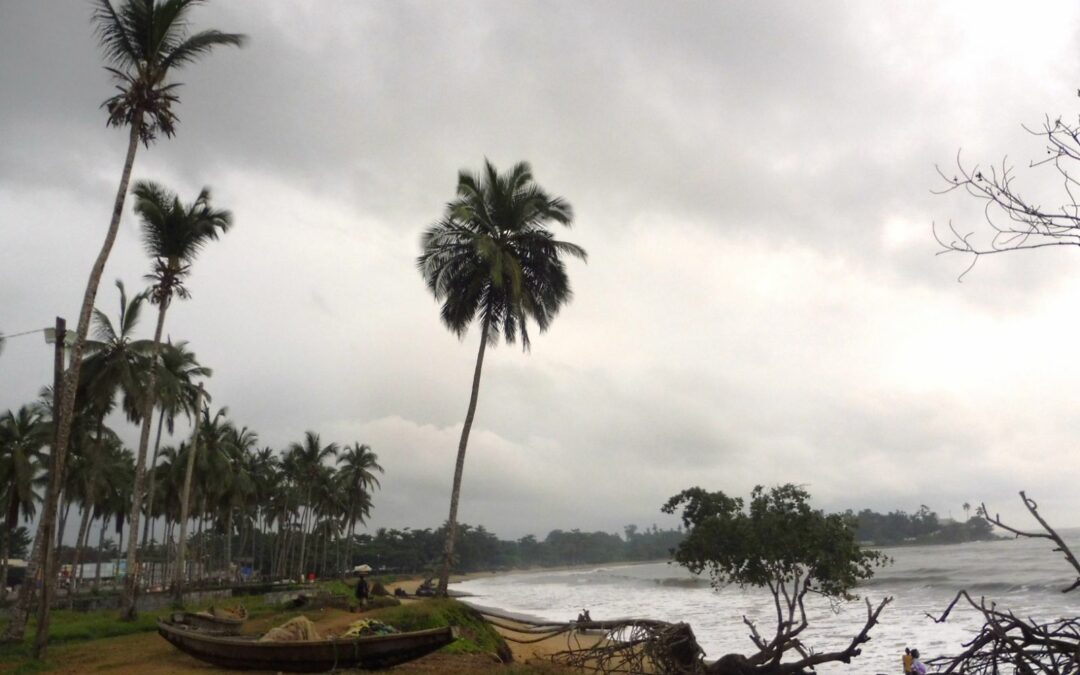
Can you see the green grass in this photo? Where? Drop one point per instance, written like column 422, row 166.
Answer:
column 69, row 627
column 337, row 586
column 476, row 635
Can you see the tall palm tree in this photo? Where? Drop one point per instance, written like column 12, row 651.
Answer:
column 98, row 473
column 173, row 234
column 143, row 41
column 492, row 255
column 308, row 458
column 356, row 473
column 23, row 437
column 176, row 393
column 238, row 483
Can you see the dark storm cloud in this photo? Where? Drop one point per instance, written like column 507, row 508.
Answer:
column 753, row 183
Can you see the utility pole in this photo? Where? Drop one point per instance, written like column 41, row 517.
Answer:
column 48, row 566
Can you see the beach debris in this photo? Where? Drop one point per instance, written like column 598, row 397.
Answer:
column 1006, row 642
column 366, row 627
column 631, row 646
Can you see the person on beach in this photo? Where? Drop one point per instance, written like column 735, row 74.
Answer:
column 362, row 590
column 908, row 659
column 917, row 666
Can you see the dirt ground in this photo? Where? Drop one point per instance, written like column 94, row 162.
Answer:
column 149, row 654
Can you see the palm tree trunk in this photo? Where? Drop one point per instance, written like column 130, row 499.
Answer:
column 166, row 539
column 84, row 525
column 147, row 531
column 100, row 551
column 202, row 543
column 325, row 548
column 228, row 540
column 459, row 467
column 5, row 551
column 64, row 511
column 303, row 529
column 16, row 628
column 185, row 498
column 352, row 544
column 131, row 583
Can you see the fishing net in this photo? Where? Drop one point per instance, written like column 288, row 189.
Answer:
column 299, row 629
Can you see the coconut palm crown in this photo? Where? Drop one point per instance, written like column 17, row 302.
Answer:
column 173, row 234
column 143, row 40
column 492, row 254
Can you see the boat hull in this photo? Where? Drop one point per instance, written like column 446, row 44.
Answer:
column 211, row 624
column 366, row 653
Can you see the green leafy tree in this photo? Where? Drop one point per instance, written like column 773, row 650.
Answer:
column 492, row 256
column 143, row 42
column 776, row 542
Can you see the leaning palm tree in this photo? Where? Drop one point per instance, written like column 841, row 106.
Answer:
column 143, row 42
column 492, row 255
column 173, row 234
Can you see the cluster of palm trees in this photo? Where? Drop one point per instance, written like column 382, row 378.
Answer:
column 490, row 257
column 283, row 514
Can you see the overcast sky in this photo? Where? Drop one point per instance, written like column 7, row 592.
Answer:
column 753, row 183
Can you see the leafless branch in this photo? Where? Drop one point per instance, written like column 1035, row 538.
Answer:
column 1007, row 643
column 1016, row 222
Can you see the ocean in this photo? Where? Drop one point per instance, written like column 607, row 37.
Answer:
column 1023, row 575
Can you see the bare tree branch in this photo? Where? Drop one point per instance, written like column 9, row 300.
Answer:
column 1007, row 643
column 1016, row 222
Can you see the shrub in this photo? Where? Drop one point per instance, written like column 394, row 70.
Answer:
column 476, row 634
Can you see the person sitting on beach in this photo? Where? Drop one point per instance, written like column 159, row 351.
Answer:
column 917, row 666
column 908, row 658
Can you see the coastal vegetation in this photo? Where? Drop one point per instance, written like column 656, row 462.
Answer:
column 143, row 42
column 492, row 257
column 776, row 542
column 922, row 527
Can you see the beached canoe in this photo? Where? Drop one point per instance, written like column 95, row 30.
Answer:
column 246, row 653
column 220, row 622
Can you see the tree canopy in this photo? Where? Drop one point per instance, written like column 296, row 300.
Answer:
column 776, row 541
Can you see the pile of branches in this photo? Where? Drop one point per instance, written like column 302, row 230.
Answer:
column 627, row 646
column 637, row 646
column 1008, row 643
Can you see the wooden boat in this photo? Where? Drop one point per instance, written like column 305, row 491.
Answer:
column 246, row 653
column 219, row 622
